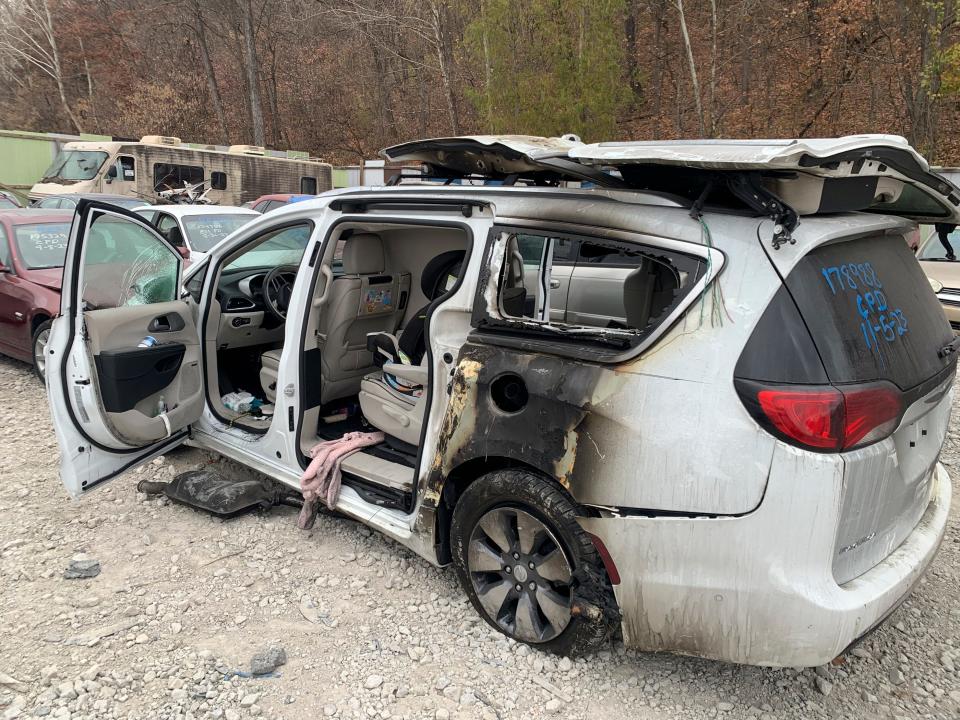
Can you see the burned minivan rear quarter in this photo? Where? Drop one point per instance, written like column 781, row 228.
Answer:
column 841, row 533
column 725, row 539
column 608, row 431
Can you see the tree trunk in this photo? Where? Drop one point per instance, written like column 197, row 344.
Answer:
column 487, row 69
column 658, row 52
column 276, row 119
column 215, row 99
column 630, row 31
column 86, row 71
column 443, row 58
column 693, row 67
column 57, row 72
column 252, row 67
column 713, row 68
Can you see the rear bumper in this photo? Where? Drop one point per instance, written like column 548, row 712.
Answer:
column 759, row 589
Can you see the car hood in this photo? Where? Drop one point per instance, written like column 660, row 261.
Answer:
column 47, row 277
column 943, row 271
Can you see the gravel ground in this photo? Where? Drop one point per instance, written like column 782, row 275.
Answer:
column 183, row 601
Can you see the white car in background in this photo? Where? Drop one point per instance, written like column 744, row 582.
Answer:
column 195, row 229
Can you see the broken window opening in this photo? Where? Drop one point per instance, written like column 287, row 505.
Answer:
column 586, row 285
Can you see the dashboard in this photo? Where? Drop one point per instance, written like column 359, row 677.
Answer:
column 242, row 290
column 245, row 320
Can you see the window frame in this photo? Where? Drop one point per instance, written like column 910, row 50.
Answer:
column 6, row 250
column 582, row 341
column 312, row 180
column 133, row 161
column 179, row 179
column 80, row 263
column 213, row 274
column 160, row 217
column 214, row 185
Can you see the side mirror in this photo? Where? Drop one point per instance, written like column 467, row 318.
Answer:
column 112, row 173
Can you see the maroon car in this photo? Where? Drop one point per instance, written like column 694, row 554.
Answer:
column 266, row 203
column 32, row 247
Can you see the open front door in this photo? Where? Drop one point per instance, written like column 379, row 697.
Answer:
column 123, row 367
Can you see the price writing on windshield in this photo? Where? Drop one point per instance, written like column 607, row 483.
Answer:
column 878, row 321
column 48, row 241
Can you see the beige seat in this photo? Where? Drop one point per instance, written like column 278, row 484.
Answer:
column 366, row 298
column 397, row 414
column 269, row 369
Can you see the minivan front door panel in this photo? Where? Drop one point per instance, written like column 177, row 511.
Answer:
column 124, row 374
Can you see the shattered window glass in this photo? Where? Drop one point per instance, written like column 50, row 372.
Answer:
column 126, row 264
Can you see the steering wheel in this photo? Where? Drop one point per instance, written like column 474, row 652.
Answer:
column 277, row 288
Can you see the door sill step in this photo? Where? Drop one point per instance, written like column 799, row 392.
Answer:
column 379, row 472
column 378, row 494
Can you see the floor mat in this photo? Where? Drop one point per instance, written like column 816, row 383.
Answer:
column 334, row 430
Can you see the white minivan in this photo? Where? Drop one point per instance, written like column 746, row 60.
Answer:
column 693, row 392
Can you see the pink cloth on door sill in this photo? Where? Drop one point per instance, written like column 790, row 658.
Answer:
column 322, row 479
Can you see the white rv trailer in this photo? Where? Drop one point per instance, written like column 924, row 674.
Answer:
column 235, row 174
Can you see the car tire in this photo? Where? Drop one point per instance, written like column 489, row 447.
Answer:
column 528, row 567
column 38, row 345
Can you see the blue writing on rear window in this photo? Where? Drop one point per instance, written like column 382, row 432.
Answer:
column 859, row 283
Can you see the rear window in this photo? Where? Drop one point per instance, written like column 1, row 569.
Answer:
column 871, row 311
column 43, row 245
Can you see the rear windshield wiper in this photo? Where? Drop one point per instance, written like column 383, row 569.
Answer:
column 949, row 349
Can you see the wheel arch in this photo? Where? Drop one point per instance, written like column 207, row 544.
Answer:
column 39, row 317
column 464, row 475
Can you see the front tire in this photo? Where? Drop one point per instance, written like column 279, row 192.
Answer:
column 41, row 336
column 528, row 567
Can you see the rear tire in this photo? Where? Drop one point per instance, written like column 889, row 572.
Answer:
column 528, row 567
column 41, row 336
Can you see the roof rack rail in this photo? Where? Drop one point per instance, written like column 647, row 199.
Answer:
column 363, row 204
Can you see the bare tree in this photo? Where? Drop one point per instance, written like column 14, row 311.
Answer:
column 427, row 22
column 678, row 4
column 252, row 66
column 439, row 31
column 199, row 27
column 27, row 37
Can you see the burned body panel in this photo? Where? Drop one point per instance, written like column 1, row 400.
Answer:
column 528, row 407
column 607, row 431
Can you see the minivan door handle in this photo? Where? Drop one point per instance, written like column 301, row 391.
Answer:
column 166, row 323
column 554, row 284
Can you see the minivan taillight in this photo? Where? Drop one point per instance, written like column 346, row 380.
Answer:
column 813, row 418
column 825, row 418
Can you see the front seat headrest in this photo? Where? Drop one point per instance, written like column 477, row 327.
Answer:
column 436, row 277
column 175, row 237
column 363, row 254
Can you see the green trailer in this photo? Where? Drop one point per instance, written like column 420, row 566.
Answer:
column 25, row 155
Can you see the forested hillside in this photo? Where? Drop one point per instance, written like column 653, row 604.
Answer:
column 343, row 78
